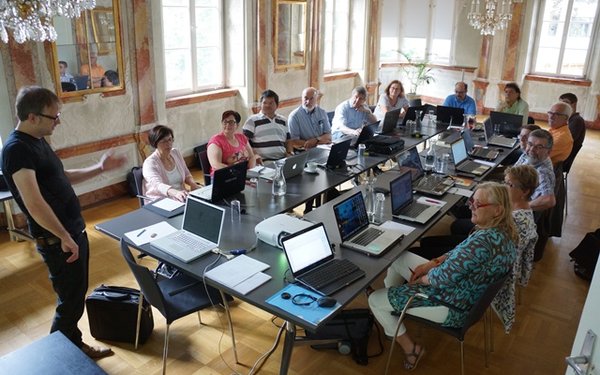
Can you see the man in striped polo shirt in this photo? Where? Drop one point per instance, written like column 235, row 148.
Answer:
column 309, row 125
column 267, row 131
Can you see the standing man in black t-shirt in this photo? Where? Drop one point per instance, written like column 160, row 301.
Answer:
column 42, row 189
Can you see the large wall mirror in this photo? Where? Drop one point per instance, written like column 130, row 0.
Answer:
column 87, row 53
column 289, row 41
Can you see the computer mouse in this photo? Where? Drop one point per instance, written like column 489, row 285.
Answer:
column 286, row 295
column 500, row 149
column 326, row 302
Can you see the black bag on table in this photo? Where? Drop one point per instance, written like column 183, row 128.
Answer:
column 112, row 314
column 351, row 327
column 585, row 255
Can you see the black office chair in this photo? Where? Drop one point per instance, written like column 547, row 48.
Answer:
column 68, row 86
column 567, row 164
column 330, row 115
column 530, row 120
column 139, row 182
column 174, row 298
column 475, row 314
column 202, row 161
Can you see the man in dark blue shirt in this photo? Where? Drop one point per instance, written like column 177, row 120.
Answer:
column 42, row 189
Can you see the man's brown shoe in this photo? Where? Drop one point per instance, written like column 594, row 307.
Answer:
column 96, row 352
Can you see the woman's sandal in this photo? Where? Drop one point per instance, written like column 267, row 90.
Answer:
column 411, row 365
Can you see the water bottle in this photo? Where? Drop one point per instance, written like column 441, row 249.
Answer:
column 430, row 157
column 379, row 207
column 418, row 123
column 279, row 186
column 370, row 198
column 442, row 163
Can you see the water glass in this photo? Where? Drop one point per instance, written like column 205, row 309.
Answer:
column 235, row 211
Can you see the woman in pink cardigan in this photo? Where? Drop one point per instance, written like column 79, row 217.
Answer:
column 165, row 172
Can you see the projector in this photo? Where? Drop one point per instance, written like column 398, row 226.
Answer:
column 273, row 229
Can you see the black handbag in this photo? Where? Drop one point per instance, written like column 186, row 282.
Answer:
column 585, row 255
column 112, row 314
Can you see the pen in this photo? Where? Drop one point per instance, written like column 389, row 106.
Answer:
column 432, row 201
column 142, row 232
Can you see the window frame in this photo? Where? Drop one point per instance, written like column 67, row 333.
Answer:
column 594, row 39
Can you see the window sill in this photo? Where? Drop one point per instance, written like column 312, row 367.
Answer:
column 562, row 80
column 200, row 97
column 337, row 76
column 468, row 69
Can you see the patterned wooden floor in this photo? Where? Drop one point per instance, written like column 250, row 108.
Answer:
column 542, row 336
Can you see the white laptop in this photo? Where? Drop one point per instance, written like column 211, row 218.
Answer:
column 356, row 232
column 496, row 139
column 294, row 165
column 403, row 204
column 199, row 234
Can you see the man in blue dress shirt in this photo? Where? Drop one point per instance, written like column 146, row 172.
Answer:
column 352, row 114
column 308, row 124
column 460, row 99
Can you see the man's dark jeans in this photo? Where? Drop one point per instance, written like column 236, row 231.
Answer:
column 70, row 282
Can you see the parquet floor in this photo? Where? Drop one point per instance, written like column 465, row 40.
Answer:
column 546, row 323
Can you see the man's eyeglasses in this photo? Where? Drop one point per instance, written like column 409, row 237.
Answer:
column 536, row 147
column 460, row 92
column 53, row 118
column 550, row 114
column 476, row 205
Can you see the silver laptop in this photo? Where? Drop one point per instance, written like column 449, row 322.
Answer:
column 478, row 152
column 355, row 230
column 403, row 204
column 462, row 162
column 199, row 234
column 294, row 165
column 432, row 184
column 494, row 139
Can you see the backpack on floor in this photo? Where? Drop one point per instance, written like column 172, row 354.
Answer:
column 585, row 255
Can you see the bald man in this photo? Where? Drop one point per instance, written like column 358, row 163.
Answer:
column 308, row 124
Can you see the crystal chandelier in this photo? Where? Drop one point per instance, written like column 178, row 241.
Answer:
column 32, row 19
column 495, row 16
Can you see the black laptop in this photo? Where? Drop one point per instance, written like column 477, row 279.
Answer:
column 390, row 121
column 313, row 264
column 450, row 115
column 403, row 204
column 478, row 152
column 462, row 163
column 226, row 182
column 508, row 124
column 337, row 155
column 411, row 114
column 432, row 184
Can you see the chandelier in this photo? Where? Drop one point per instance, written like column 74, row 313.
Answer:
column 495, row 15
column 32, row 19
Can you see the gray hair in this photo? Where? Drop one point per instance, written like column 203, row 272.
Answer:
column 566, row 110
column 543, row 134
column 360, row 90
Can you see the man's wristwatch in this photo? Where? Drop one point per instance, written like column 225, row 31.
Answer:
column 318, row 138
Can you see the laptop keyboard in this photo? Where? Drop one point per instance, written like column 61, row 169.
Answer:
column 367, row 236
column 328, row 273
column 482, row 153
column 430, row 182
column 415, row 209
column 198, row 244
column 469, row 165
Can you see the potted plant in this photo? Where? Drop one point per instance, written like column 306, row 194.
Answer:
column 418, row 72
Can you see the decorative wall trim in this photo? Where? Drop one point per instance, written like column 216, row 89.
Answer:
column 91, row 147
column 338, row 76
column 200, row 97
column 562, row 80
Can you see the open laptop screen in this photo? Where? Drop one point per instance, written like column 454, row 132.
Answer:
column 307, row 248
column 411, row 161
column 459, row 152
column 401, row 191
column 351, row 215
column 203, row 219
column 444, row 114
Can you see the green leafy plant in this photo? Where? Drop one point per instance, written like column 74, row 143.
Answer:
column 418, row 72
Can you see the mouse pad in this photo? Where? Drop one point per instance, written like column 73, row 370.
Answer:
column 312, row 314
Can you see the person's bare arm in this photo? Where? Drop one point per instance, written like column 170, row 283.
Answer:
column 543, row 202
column 215, row 157
column 41, row 212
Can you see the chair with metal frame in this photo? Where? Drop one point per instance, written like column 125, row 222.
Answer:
column 202, row 160
column 138, row 177
column 567, row 164
column 174, row 298
column 475, row 314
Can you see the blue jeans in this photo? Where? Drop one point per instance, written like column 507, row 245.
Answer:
column 70, row 282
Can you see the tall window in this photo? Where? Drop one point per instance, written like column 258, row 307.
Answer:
column 193, row 45
column 337, row 36
column 564, row 37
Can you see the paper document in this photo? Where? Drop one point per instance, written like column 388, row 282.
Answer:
column 460, row 191
column 168, row 204
column 398, row 227
column 153, row 232
column 240, row 274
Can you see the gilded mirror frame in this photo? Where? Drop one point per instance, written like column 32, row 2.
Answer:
column 91, row 36
column 290, row 34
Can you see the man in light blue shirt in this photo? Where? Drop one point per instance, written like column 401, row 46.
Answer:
column 308, row 124
column 460, row 99
column 352, row 114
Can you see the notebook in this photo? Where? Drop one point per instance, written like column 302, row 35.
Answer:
column 225, row 182
column 508, row 123
column 356, row 232
column 312, row 262
column 433, row 184
column 462, row 162
column 337, row 155
column 496, row 140
column 450, row 115
column 294, row 165
column 403, row 204
column 199, row 234
column 390, row 121
column 81, row 82
column 478, row 152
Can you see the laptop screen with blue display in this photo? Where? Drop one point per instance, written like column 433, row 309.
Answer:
column 351, row 215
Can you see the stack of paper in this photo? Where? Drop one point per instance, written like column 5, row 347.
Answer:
column 242, row 274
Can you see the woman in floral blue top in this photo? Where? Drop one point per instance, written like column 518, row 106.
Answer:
column 458, row 277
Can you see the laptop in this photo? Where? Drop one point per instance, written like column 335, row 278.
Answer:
column 432, row 184
column 478, row 152
column 403, row 204
column 450, row 115
column 356, row 232
column 81, row 82
column 337, row 155
column 390, row 121
column 367, row 132
column 312, row 262
column 225, row 182
column 294, row 166
column 461, row 161
column 199, row 234
column 411, row 114
column 508, row 123
column 496, row 140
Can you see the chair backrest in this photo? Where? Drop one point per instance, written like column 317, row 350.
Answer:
column 330, row 117
column 202, row 160
column 145, row 279
column 138, row 177
column 571, row 158
column 478, row 309
column 530, row 120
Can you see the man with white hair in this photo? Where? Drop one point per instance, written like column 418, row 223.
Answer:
column 558, row 117
column 308, row 124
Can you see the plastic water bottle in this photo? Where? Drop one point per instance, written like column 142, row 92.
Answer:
column 370, row 198
column 379, row 207
column 430, row 157
column 279, row 186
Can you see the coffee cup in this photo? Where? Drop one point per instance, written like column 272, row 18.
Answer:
column 311, row 166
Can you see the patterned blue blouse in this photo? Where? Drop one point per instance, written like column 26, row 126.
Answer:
column 461, row 279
